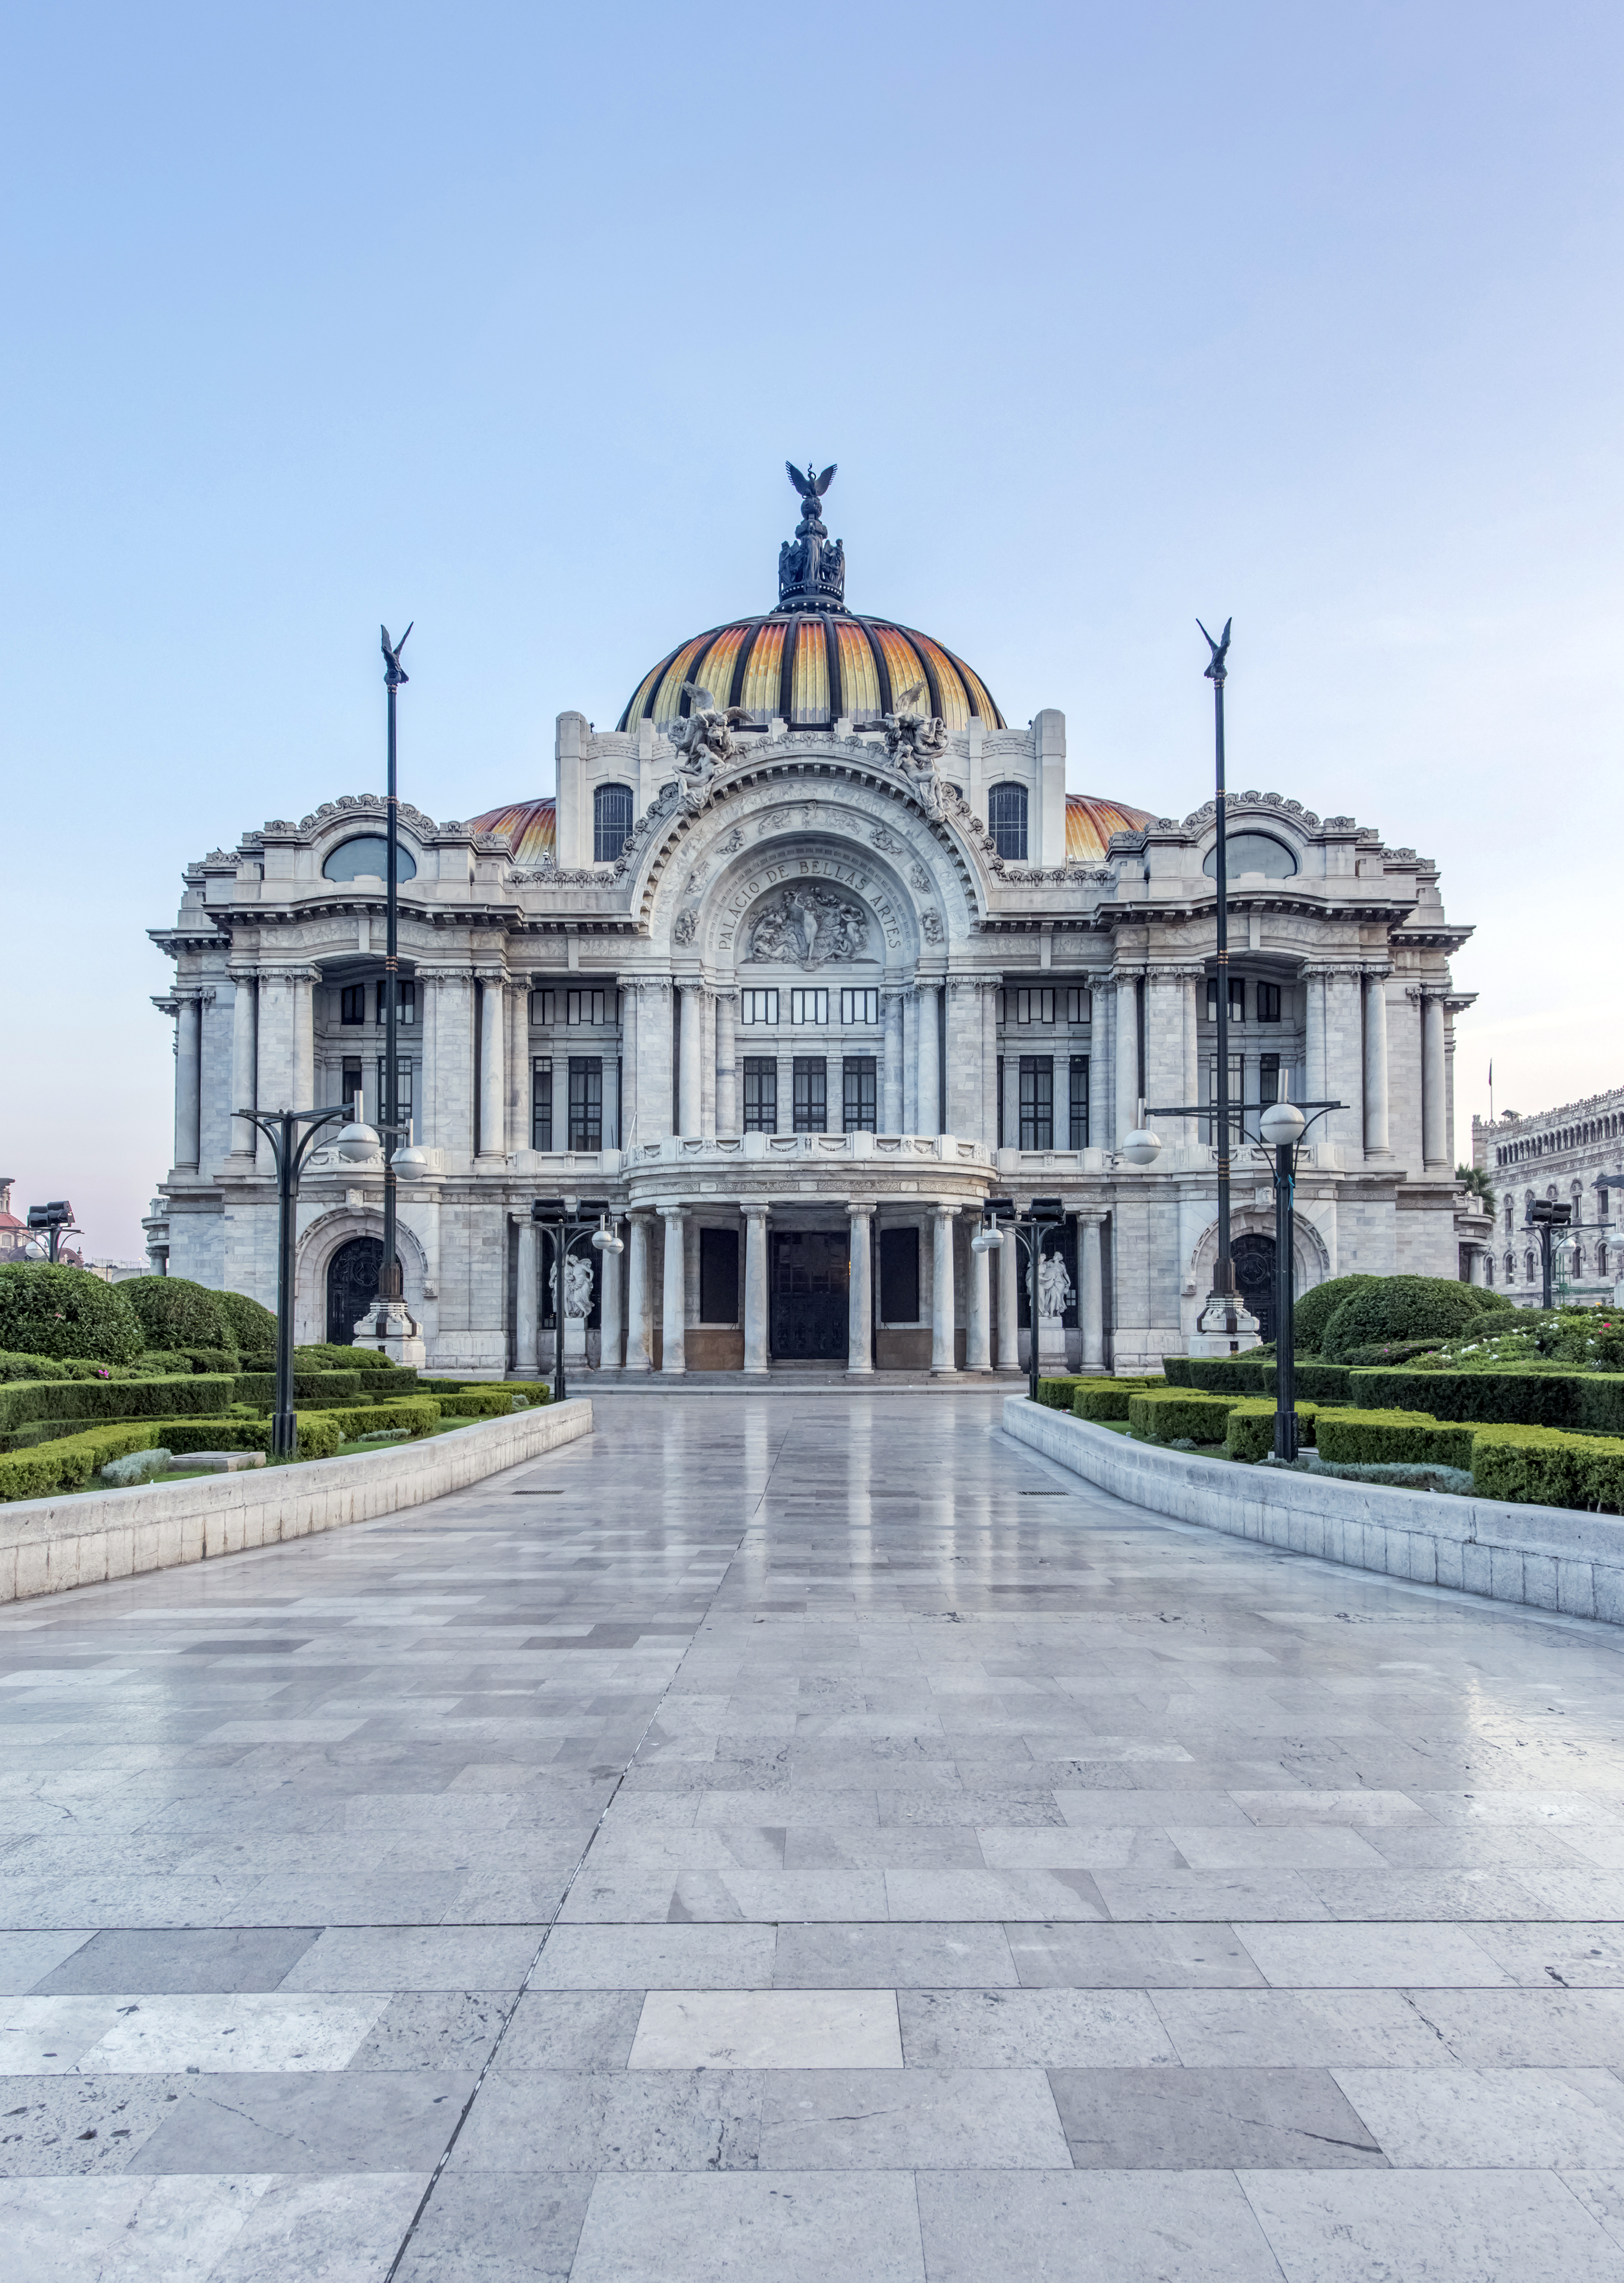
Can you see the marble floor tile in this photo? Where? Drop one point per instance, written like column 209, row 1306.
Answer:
column 656, row 1958
column 173, row 1961
column 1491, row 2119
column 673, row 2120
column 414, row 1958
column 1307, row 2029
column 1370, row 1957
column 891, row 1957
column 794, row 2227
column 768, row 2029
column 339, row 2121
column 1032, row 2028
column 867, row 2120
column 1523, row 2029
column 127, row 2229
column 1093, row 2227
column 1196, row 2119
column 1430, row 2227
column 488, row 2227
column 1131, row 1957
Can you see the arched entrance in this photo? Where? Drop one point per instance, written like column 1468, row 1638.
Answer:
column 351, row 1283
column 1253, row 1258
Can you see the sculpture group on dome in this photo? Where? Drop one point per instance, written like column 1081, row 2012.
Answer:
column 914, row 743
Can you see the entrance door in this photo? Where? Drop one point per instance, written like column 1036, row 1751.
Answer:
column 811, row 1268
column 1253, row 1258
column 351, row 1285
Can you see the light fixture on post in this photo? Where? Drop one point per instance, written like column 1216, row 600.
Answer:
column 566, row 1220
column 1545, row 1218
column 1029, row 1228
column 57, row 1220
column 290, row 1148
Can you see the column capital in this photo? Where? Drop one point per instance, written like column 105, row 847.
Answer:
column 861, row 1209
column 240, row 975
column 943, row 1210
column 496, row 974
column 670, row 1213
column 755, row 1207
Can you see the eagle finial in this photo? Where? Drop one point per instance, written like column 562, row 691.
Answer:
column 1218, row 670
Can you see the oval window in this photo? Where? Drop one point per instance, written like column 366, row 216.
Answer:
column 1252, row 852
column 369, row 855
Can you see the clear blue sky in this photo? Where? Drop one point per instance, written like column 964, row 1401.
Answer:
column 505, row 319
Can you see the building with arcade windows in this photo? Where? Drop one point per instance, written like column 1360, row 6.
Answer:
column 803, row 960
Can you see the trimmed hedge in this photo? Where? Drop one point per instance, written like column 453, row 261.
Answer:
column 1107, row 1399
column 480, row 1403
column 1241, row 1375
column 174, row 1312
column 1248, row 1434
column 32, row 1367
column 67, row 1463
column 1316, row 1382
column 313, row 1387
column 536, row 1389
column 1392, row 1439
column 1313, row 1312
column 50, row 1311
column 419, row 1414
column 1592, row 1400
column 1178, row 1416
column 1054, row 1392
column 1403, row 1308
column 318, row 1434
column 248, row 1325
column 28, row 1399
column 1541, row 1466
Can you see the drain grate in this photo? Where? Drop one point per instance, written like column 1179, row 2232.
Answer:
column 525, row 1493
column 1046, row 1493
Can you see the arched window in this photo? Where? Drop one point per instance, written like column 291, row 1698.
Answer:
column 1006, row 815
column 1511, row 1268
column 1601, row 1259
column 368, row 856
column 1488, row 1269
column 1528, row 1267
column 611, row 822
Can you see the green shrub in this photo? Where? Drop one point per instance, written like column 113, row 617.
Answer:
column 1107, row 1398
column 1543, row 1467
column 1313, row 1312
column 1313, row 1382
column 49, row 1311
column 1381, row 1352
column 68, row 1462
column 318, row 1434
column 1379, row 1438
column 1400, row 1308
column 248, row 1325
column 1054, row 1392
column 1241, row 1375
column 309, row 1387
column 24, row 1401
column 333, row 1356
column 33, row 1366
column 419, row 1414
column 1248, row 1433
column 536, row 1389
column 497, row 1402
column 1592, row 1400
column 1175, row 1416
column 174, row 1312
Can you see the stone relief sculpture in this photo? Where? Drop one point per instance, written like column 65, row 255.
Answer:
column 704, row 740
column 809, row 928
column 685, row 926
column 1054, row 1286
column 577, row 1286
column 915, row 743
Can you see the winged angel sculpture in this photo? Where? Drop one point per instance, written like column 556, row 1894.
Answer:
column 704, row 740
column 915, row 743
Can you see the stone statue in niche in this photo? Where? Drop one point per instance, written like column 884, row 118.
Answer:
column 685, row 926
column 577, row 1286
column 809, row 927
column 915, row 743
column 1054, row 1286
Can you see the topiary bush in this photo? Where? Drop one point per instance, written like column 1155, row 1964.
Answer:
column 1248, row 1433
column 50, row 1311
column 1311, row 1313
column 1178, row 1415
column 1543, row 1467
column 1400, row 1308
column 174, row 1312
column 250, row 1327
column 32, row 1367
column 1377, row 1439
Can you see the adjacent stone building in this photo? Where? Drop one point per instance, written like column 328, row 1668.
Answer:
column 808, row 956
column 1557, row 1155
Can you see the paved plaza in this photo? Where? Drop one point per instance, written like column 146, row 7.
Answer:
column 806, row 1839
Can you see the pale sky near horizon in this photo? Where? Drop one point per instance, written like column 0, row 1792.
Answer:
column 505, row 319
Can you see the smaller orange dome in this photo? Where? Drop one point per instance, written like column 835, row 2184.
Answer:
column 1090, row 823
column 532, row 826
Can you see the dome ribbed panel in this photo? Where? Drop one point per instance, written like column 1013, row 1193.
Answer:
column 903, row 663
column 1090, row 823
column 834, row 667
column 859, row 680
column 668, row 696
column 532, row 826
column 762, row 674
column 714, row 671
column 810, row 700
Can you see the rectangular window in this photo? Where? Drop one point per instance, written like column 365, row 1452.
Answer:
column 353, row 1003
column 758, row 1006
column 760, row 1088
column 719, row 1276
column 1034, row 1006
column 811, row 1105
column 1079, row 1006
column 349, row 1091
column 403, row 1099
column 1268, row 1002
column 899, row 1277
column 586, row 1102
column 808, row 1006
column 860, row 1006
column 541, row 1105
column 1237, row 999
column 1268, row 1076
column 860, row 1095
column 406, row 999
column 1209, row 1126
column 1079, row 1102
column 1037, row 1102
column 585, row 1007
column 542, row 1007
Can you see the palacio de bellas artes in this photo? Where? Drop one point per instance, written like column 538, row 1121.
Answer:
column 805, row 958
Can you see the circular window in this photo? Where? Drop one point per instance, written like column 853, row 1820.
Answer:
column 1252, row 852
column 369, row 854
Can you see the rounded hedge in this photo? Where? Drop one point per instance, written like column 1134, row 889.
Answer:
column 1400, row 1308
column 1313, row 1312
column 50, row 1311
column 174, row 1312
column 250, row 1327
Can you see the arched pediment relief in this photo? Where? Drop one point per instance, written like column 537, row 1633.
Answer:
column 806, row 923
column 778, row 789
column 803, row 902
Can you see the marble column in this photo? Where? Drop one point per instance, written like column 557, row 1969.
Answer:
column 1376, row 1141
column 189, row 1081
column 1012, row 1096
column 859, row 1309
column 452, row 1071
column 987, row 1130
column 1315, row 1088
column 726, row 1067
column 891, row 1066
column 611, row 1271
column 1090, row 1296
column 754, row 1287
column 302, row 994
column 964, row 1098
column 244, row 1136
column 274, row 1043
column 528, row 1299
column 1127, row 1088
column 631, row 1046
column 942, row 1290
column 515, row 1055
column 674, row 1352
column 1164, row 1044
column 707, row 1064
column 493, row 1070
column 1195, row 981
column 1434, row 1122
column 692, row 1074
column 909, row 1061
column 640, row 1319
column 929, row 1062
column 978, row 1343
column 1009, row 1302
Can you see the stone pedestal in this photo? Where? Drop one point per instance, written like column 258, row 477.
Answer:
column 575, row 1343
column 400, row 1339
column 1051, row 1344
column 1212, row 1336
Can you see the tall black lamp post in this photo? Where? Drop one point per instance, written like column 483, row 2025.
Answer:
column 1549, row 1220
column 390, row 1292
column 566, row 1220
column 290, row 1148
column 1221, row 1305
column 1001, row 1218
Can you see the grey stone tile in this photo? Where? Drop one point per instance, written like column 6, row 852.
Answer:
column 1491, row 2119
column 1372, row 1957
column 81, row 2126
column 1585, row 1956
column 1173, row 1957
column 794, row 2227
column 1209, row 2119
column 888, row 2120
column 415, row 1957
column 25, row 1959
column 1303, row 2028
column 656, row 1958
column 891, row 1957
column 571, row 2029
column 517, row 2227
column 1093, row 2227
column 175, row 1959
column 435, row 2029
column 342, row 2227
column 1523, row 2029
column 1032, row 2028
column 341, row 2120
column 1447, row 2227
column 618, row 2120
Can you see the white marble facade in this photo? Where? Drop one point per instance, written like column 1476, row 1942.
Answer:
column 812, row 927
column 1557, row 1155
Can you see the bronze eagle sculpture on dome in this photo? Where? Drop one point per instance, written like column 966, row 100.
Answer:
column 810, row 487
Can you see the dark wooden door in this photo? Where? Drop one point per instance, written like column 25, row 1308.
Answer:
column 1253, row 1258
column 351, row 1283
column 811, row 1269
